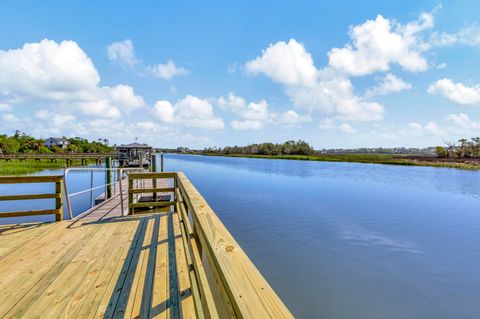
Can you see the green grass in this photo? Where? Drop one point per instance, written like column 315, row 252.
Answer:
column 16, row 167
column 361, row 158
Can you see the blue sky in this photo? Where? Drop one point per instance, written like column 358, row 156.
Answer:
column 216, row 73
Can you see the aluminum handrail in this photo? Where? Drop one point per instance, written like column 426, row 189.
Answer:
column 91, row 189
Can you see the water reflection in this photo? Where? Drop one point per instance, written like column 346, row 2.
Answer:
column 346, row 240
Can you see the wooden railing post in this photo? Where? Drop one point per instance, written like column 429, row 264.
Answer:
column 59, row 200
column 130, row 195
column 153, row 164
column 108, row 166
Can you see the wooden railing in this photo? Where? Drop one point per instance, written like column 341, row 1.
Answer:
column 133, row 190
column 224, row 281
column 54, row 155
column 58, row 180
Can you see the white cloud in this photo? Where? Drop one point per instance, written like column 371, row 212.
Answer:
column 246, row 125
column 346, row 128
column 468, row 35
column 333, row 94
column 167, row 70
column 256, row 111
column 251, row 116
column 325, row 90
column 441, row 66
column 124, row 96
column 5, row 107
column 462, row 120
column 164, row 111
column 417, row 129
column 122, row 52
column 292, row 118
column 190, row 111
column 63, row 74
column 326, row 124
column 286, row 63
column 8, row 117
column 376, row 44
column 49, row 70
column 42, row 114
column 388, row 84
column 232, row 102
column 62, row 119
column 456, row 92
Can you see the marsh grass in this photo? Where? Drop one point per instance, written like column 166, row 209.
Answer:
column 362, row 158
column 16, row 167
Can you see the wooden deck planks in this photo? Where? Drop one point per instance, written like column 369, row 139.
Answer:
column 119, row 267
column 160, row 294
column 185, row 294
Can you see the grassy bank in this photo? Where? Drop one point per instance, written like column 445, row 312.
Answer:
column 366, row 158
column 16, row 167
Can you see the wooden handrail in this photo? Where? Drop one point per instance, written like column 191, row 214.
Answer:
column 225, row 283
column 154, row 190
column 55, row 155
column 57, row 179
column 242, row 291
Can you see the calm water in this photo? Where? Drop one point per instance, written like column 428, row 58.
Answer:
column 341, row 240
column 337, row 240
column 77, row 181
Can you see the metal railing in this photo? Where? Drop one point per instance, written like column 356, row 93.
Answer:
column 118, row 176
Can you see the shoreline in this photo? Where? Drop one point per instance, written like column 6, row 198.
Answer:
column 384, row 159
column 16, row 167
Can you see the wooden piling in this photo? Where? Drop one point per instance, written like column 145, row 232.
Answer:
column 108, row 174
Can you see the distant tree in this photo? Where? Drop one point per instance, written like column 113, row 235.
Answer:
column 441, row 152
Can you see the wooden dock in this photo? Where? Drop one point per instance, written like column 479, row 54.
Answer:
column 172, row 261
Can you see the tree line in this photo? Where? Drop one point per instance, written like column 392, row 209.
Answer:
column 287, row 148
column 24, row 143
column 463, row 148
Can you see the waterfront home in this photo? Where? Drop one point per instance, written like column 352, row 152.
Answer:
column 59, row 142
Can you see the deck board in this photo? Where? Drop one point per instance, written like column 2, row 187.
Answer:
column 101, row 265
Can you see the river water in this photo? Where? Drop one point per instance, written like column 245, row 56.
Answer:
column 343, row 240
column 337, row 240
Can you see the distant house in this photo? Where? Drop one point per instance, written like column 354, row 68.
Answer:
column 183, row 150
column 56, row 141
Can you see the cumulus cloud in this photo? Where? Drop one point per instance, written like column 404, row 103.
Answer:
column 49, row 70
column 376, row 44
column 326, row 90
column 231, row 102
column 468, row 35
column 123, row 52
column 251, row 116
column 286, row 63
column 388, row 84
column 167, row 70
column 462, row 120
column 11, row 118
column 417, row 129
column 63, row 74
column 333, row 94
column 456, row 92
column 190, row 111
column 246, row 125
column 326, row 124
column 5, row 107
column 346, row 128
column 292, row 118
